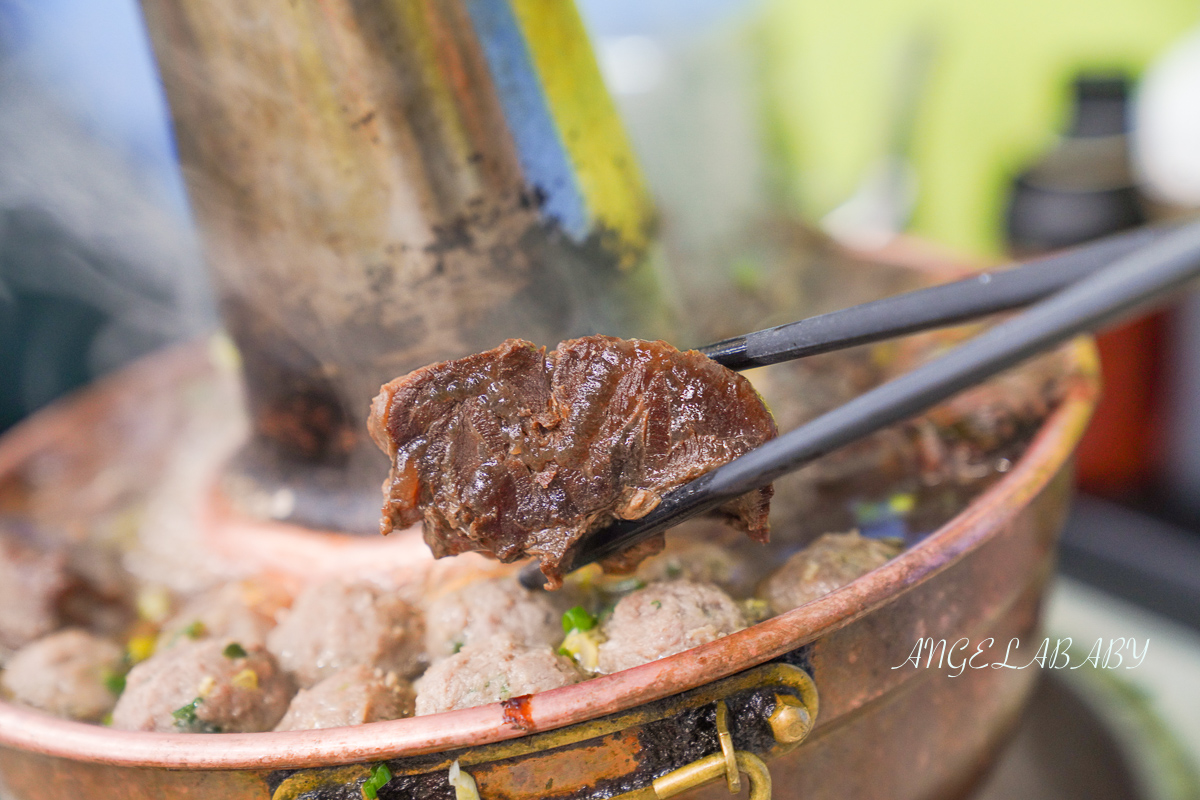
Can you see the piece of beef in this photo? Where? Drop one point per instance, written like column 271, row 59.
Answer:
column 210, row 686
column 352, row 696
column 66, row 674
column 517, row 452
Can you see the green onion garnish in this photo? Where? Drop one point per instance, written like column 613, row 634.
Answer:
column 380, row 775
column 114, row 682
column 578, row 619
column 234, row 650
column 187, row 721
column 185, row 716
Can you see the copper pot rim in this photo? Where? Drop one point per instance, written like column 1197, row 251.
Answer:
column 1052, row 445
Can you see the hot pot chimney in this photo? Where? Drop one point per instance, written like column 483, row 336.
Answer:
column 383, row 184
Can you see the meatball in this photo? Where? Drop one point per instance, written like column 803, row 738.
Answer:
column 485, row 608
column 489, row 672
column 664, row 619
column 31, row 584
column 700, row 562
column 335, row 624
column 351, row 696
column 211, row 686
column 232, row 611
column 66, row 674
column 830, row 562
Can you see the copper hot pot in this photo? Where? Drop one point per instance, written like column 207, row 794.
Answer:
column 882, row 728
column 379, row 185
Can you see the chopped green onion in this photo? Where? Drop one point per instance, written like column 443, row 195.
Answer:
column 380, row 775
column 195, row 630
column 234, row 650
column 656, row 603
column 185, row 716
column 578, row 619
column 187, row 721
column 114, row 681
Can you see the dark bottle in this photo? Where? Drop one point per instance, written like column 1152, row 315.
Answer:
column 1083, row 188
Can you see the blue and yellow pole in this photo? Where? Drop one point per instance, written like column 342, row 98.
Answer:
column 384, row 183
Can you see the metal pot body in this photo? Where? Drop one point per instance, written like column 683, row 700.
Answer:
column 381, row 185
column 884, row 728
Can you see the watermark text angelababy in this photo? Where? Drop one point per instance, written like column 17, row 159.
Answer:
column 1061, row 653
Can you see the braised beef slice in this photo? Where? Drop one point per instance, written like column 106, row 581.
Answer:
column 516, row 452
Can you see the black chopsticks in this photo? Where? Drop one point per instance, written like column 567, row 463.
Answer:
column 1141, row 269
column 986, row 293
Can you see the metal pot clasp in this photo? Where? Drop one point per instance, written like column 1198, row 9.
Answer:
column 729, row 762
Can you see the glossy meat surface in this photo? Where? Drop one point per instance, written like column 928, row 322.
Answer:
column 517, row 452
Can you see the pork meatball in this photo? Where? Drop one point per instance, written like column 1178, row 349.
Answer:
column 211, row 686
column 351, row 696
column 31, row 584
column 664, row 619
column 334, row 625
column 232, row 611
column 699, row 562
column 830, row 562
column 66, row 674
column 489, row 672
column 482, row 609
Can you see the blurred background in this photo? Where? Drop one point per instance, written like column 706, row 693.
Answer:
column 981, row 130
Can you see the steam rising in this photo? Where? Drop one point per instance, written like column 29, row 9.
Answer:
column 95, row 265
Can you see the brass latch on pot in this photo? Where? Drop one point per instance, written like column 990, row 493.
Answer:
column 729, row 762
column 790, row 722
